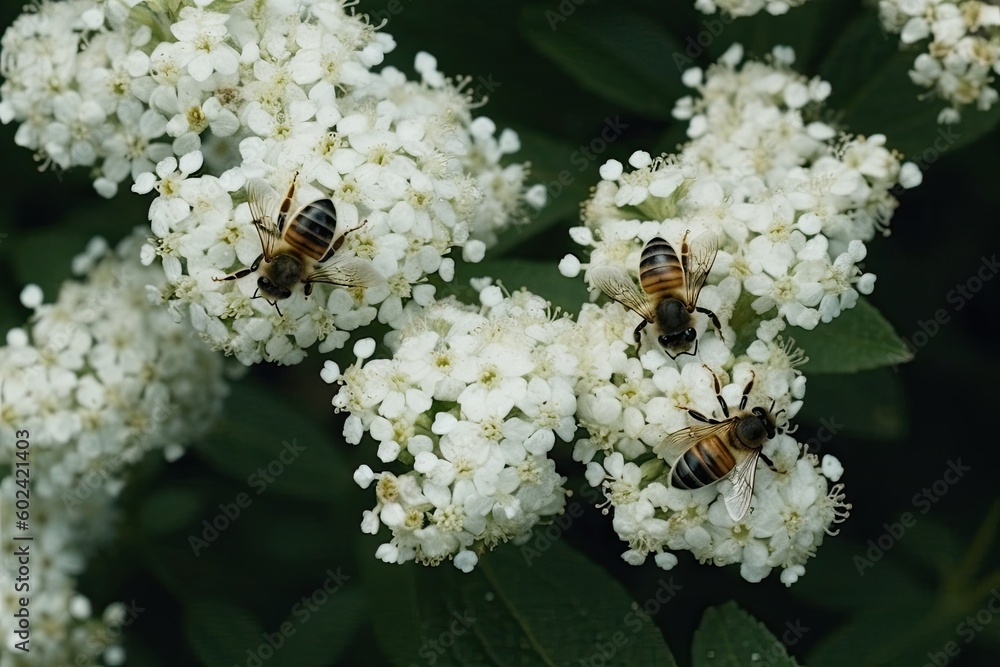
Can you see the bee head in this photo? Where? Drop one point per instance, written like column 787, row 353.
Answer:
column 272, row 290
column 766, row 420
column 678, row 343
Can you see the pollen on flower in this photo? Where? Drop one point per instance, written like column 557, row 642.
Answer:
column 386, row 489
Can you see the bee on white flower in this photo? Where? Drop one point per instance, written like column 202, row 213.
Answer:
column 216, row 100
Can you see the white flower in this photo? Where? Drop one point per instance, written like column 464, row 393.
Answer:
column 788, row 202
column 474, row 398
column 248, row 96
column 746, row 7
column 99, row 377
column 962, row 50
column 630, row 405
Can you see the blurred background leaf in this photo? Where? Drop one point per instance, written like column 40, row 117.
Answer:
column 730, row 637
column 858, row 340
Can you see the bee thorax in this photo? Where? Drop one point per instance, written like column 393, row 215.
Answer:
column 283, row 273
column 672, row 315
column 752, row 431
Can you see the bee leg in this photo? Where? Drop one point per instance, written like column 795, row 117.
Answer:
column 243, row 272
column 340, row 241
column 769, row 462
column 746, row 391
column 712, row 316
column 638, row 333
column 286, row 203
column 702, row 418
column 718, row 391
column 308, row 289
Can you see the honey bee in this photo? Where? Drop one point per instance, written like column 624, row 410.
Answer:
column 671, row 285
column 299, row 247
column 707, row 453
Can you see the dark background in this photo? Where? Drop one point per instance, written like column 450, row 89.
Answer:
column 900, row 427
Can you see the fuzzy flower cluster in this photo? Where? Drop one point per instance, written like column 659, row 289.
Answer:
column 746, row 7
column 786, row 206
column 63, row 627
column 472, row 401
column 200, row 105
column 962, row 55
column 629, row 405
column 789, row 203
column 92, row 383
column 466, row 410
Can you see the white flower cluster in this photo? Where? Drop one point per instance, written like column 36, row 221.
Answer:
column 746, row 7
column 630, row 405
column 69, row 81
column 62, row 626
column 472, row 401
column 96, row 380
column 790, row 204
column 962, row 49
column 469, row 406
column 260, row 94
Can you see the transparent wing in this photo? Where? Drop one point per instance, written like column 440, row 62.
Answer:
column 678, row 442
column 260, row 198
column 741, row 478
column 619, row 286
column 346, row 272
column 698, row 261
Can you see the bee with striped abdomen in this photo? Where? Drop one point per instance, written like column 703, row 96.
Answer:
column 708, row 453
column 300, row 247
column 671, row 284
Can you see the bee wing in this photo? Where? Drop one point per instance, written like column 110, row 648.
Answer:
column 738, row 496
column 678, row 442
column 260, row 199
column 698, row 259
column 619, row 286
column 346, row 272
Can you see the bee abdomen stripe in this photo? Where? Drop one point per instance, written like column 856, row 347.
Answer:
column 705, row 463
column 661, row 278
column 312, row 231
column 660, row 269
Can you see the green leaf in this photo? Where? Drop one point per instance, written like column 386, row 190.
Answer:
column 730, row 637
column 859, row 339
column 744, row 322
column 623, row 57
column 317, row 638
column 868, row 405
column 220, row 633
column 263, row 440
column 873, row 92
column 514, row 610
column 541, row 278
